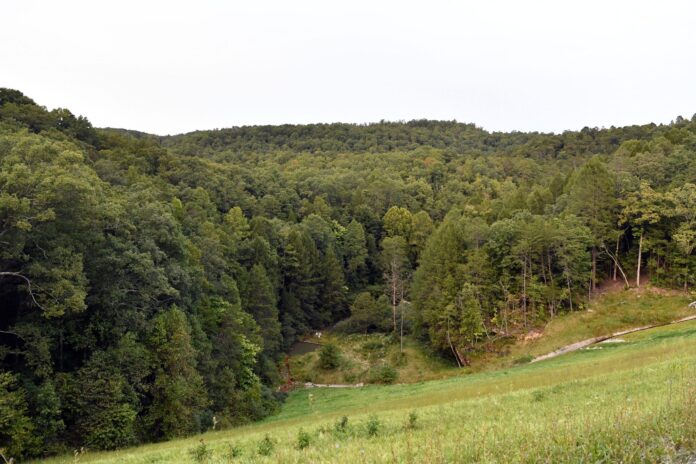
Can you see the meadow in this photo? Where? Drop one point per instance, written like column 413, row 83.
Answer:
column 630, row 400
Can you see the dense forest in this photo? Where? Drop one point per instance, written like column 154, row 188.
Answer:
column 149, row 286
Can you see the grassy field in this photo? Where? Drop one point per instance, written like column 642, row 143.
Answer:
column 630, row 401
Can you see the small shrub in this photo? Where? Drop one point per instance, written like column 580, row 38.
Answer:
column 373, row 426
column 383, row 374
column 538, row 395
column 302, row 439
column 412, row 420
column 266, row 446
column 341, row 425
column 233, row 451
column 329, row 357
column 201, row 452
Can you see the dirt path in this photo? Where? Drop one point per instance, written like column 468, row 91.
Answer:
column 332, row 385
column 591, row 341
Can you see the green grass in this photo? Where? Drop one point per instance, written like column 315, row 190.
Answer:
column 618, row 402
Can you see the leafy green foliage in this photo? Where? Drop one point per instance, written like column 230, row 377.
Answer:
column 17, row 436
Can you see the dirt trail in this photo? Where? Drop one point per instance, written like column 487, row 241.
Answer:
column 591, row 341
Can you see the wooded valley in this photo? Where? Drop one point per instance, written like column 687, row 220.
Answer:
column 151, row 285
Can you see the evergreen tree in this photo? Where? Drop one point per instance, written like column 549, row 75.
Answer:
column 178, row 393
column 260, row 301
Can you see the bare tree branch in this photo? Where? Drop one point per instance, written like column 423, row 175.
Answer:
column 27, row 280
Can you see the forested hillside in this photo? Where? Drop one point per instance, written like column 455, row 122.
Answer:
column 150, row 285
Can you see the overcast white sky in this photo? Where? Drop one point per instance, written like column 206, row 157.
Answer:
column 172, row 66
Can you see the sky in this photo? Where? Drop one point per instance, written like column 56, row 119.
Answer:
column 169, row 67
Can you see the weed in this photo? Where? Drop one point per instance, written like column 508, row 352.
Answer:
column 302, row 440
column 201, row 452
column 373, row 426
column 341, row 425
column 233, row 451
column 266, row 446
column 412, row 420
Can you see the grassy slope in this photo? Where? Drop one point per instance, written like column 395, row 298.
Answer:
column 630, row 402
column 609, row 313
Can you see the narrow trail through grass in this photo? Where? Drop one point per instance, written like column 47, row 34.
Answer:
column 592, row 341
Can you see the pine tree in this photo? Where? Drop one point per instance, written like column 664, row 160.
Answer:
column 178, row 392
column 259, row 300
column 333, row 287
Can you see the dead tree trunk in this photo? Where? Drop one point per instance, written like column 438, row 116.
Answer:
column 640, row 257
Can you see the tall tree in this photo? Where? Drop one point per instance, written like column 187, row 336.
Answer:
column 394, row 260
column 642, row 209
column 592, row 198
column 259, row 300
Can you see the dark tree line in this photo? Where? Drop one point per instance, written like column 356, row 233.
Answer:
column 150, row 285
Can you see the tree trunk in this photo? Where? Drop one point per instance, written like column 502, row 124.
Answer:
column 570, row 294
column 394, row 282
column 402, row 330
column 524, row 291
column 553, row 286
column 454, row 352
column 640, row 257
column 616, row 263
column 593, row 283
column 462, row 359
column 60, row 348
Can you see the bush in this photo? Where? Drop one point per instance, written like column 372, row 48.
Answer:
column 373, row 426
column 412, row 420
column 383, row 374
column 266, row 446
column 234, row 451
column 302, row 439
column 201, row 453
column 17, row 433
column 329, row 357
column 341, row 425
